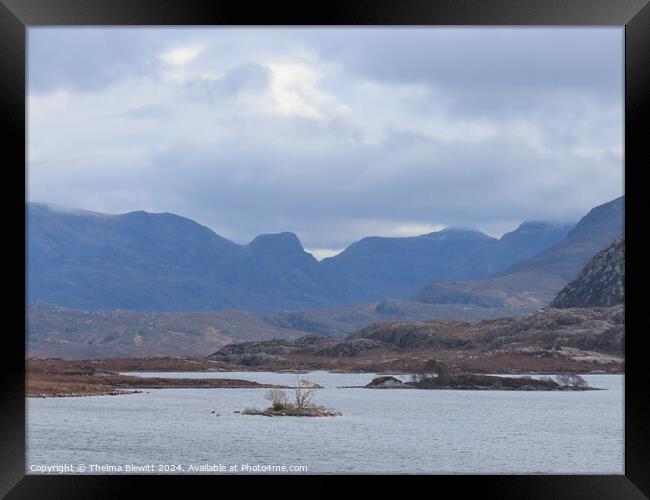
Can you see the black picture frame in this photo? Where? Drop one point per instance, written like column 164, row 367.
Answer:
column 18, row 15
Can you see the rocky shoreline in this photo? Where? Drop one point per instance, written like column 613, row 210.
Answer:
column 316, row 411
column 62, row 378
column 81, row 394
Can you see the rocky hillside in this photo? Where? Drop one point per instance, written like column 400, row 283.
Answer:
column 550, row 338
column 601, row 328
column 601, row 282
column 403, row 335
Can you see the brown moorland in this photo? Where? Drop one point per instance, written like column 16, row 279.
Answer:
column 57, row 377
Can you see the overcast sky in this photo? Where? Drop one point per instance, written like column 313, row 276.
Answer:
column 333, row 134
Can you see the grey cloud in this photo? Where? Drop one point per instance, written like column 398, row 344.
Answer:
column 247, row 77
column 87, row 59
column 486, row 71
column 148, row 112
column 241, row 194
column 479, row 57
column 324, row 179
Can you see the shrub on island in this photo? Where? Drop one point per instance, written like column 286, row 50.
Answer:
column 302, row 406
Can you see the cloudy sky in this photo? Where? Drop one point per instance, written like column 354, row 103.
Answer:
column 333, row 134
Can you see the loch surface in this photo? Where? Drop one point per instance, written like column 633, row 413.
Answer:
column 381, row 431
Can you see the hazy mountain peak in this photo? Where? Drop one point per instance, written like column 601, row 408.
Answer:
column 459, row 232
column 33, row 206
column 541, row 234
column 610, row 215
column 534, row 226
column 285, row 242
column 166, row 217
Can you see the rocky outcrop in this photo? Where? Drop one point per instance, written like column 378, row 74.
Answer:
column 387, row 382
column 274, row 351
column 601, row 282
column 601, row 329
column 352, row 347
column 405, row 335
column 276, row 346
column 595, row 334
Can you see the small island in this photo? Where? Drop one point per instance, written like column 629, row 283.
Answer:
column 436, row 376
column 302, row 405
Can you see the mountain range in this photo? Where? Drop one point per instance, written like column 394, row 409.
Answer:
column 377, row 268
column 83, row 258
column 164, row 262
column 534, row 282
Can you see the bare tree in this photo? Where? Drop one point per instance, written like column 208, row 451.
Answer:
column 438, row 368
column 277, row 397
column 571, row 380
column 304, row 393
column 430, row 370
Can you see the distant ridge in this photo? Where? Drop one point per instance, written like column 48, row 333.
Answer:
column 164, row 262
column 381, row 267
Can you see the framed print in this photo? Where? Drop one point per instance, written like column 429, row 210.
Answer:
column 364, row 239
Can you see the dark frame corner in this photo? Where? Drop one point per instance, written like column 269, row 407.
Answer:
column 17, row 15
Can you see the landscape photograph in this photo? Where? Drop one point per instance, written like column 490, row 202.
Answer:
column 414, row 236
